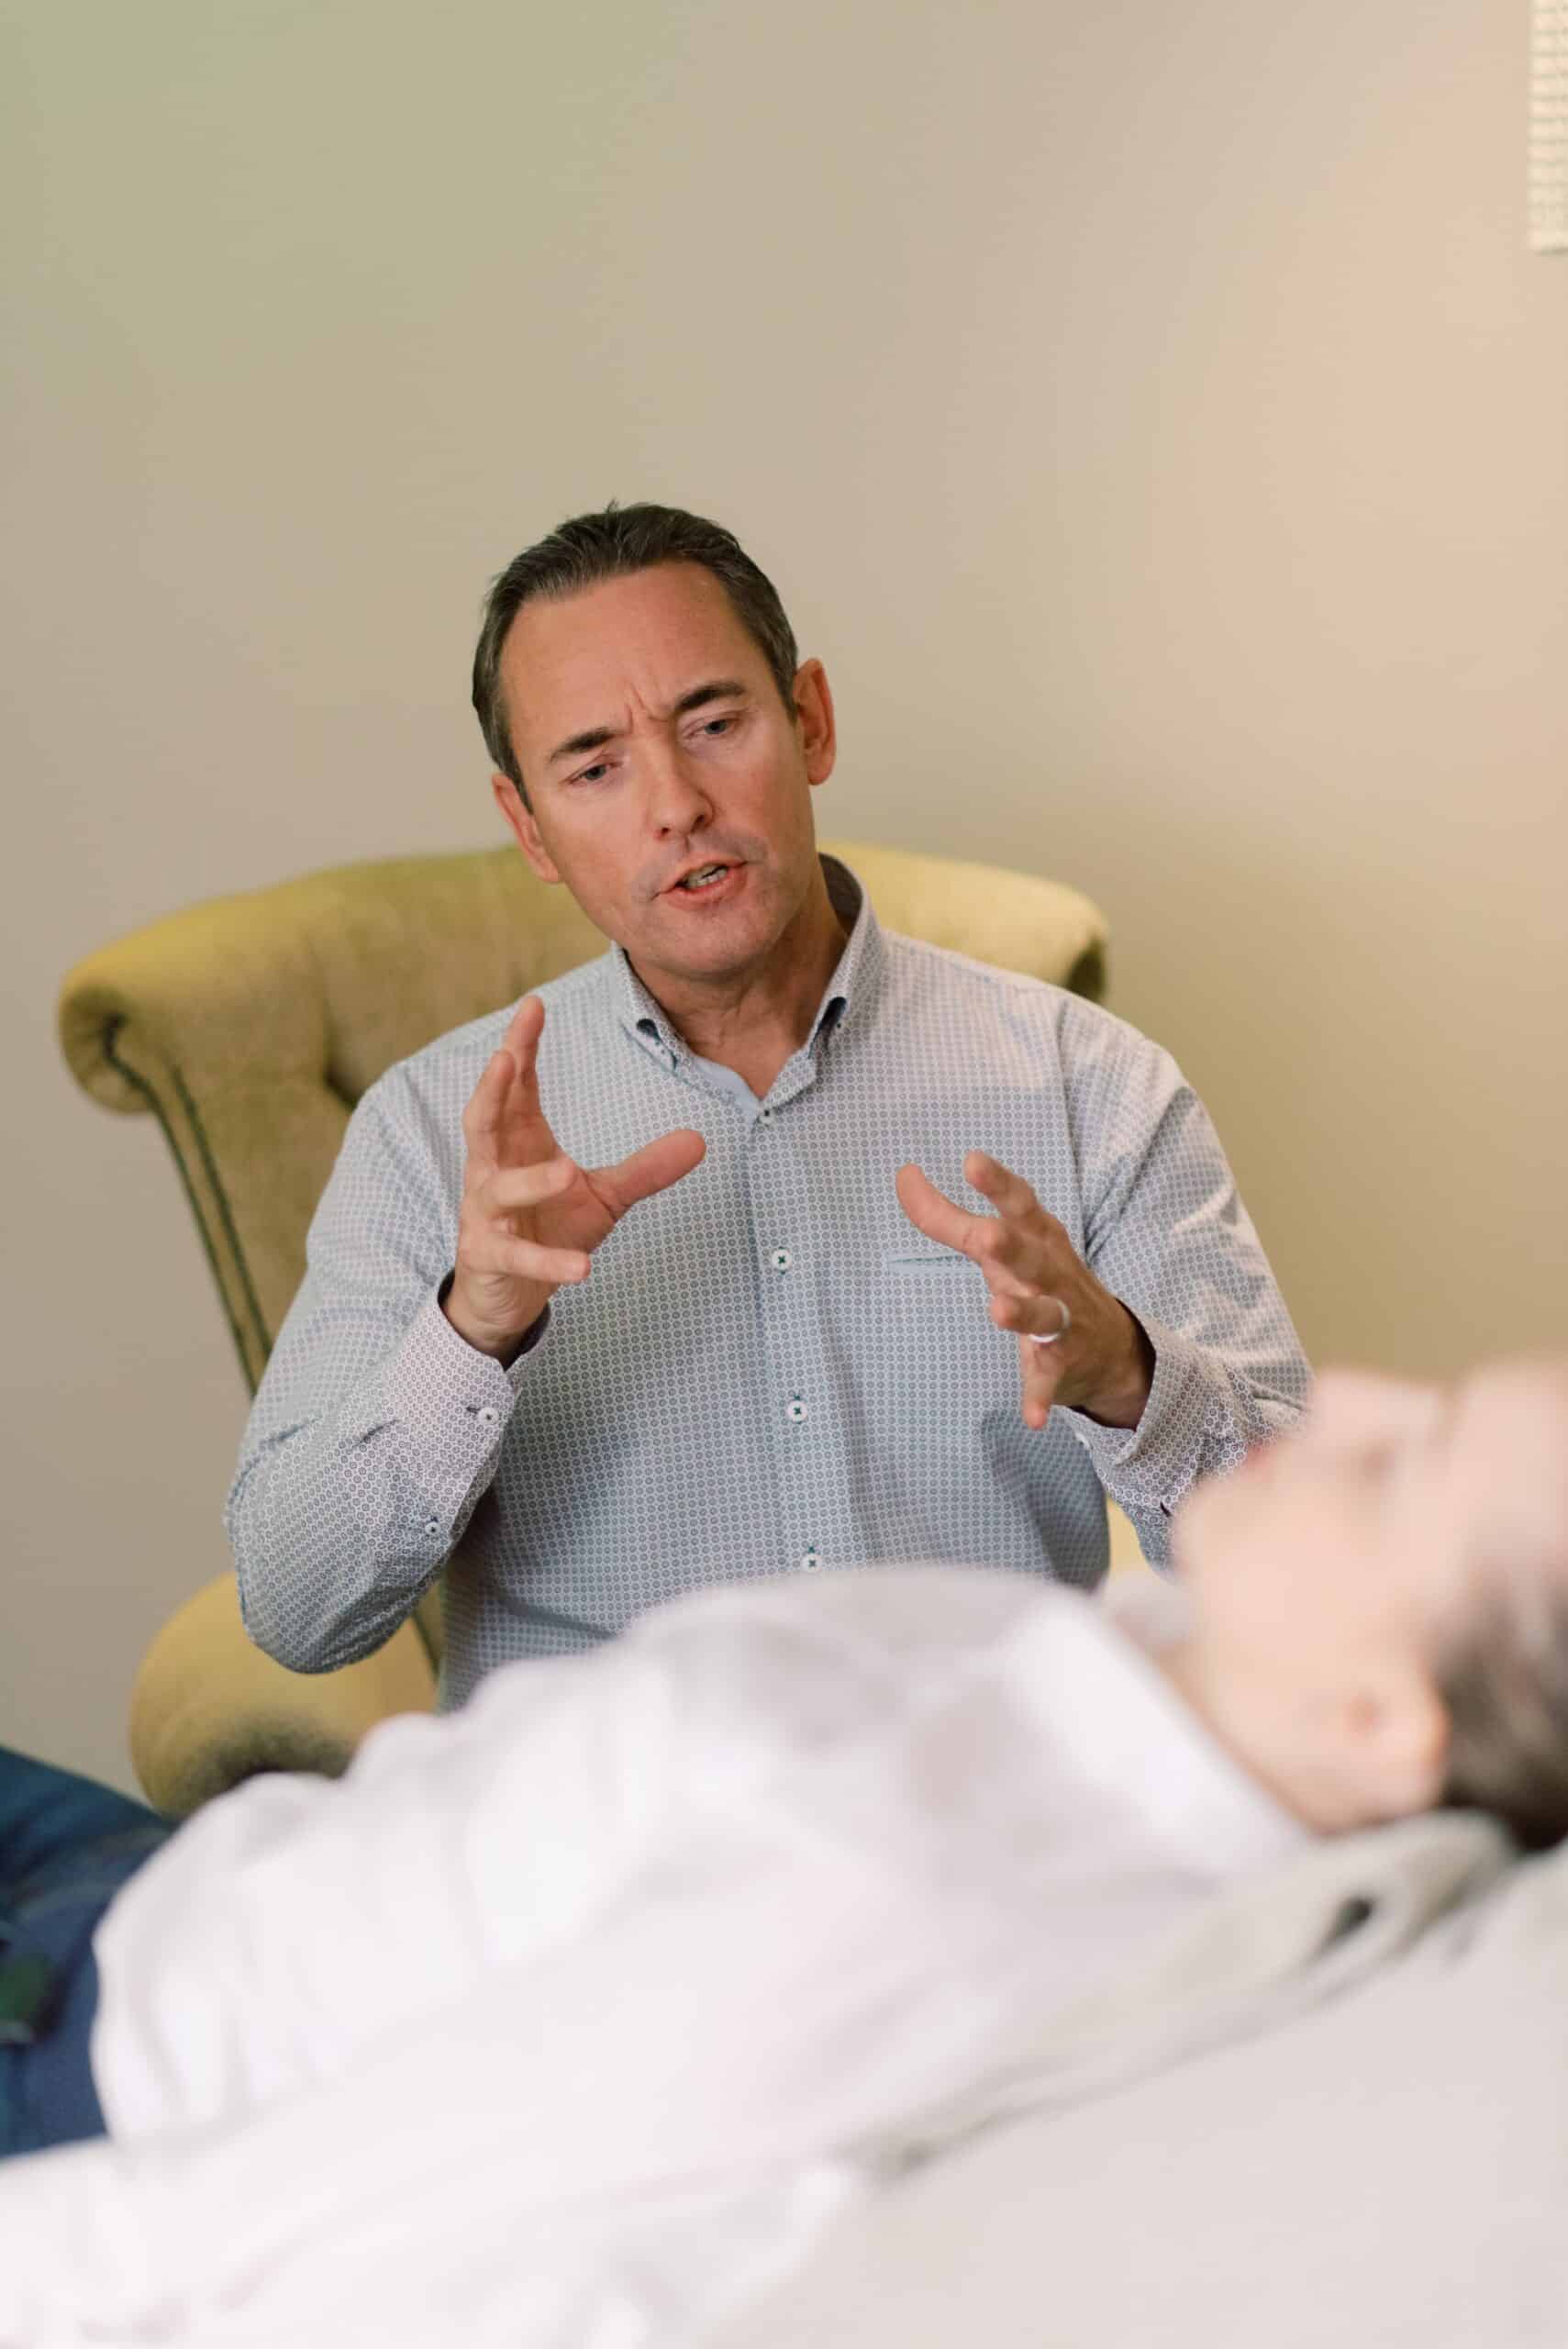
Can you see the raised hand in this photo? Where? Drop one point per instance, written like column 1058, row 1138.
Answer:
column 1078, row 1345
column 531, row 1217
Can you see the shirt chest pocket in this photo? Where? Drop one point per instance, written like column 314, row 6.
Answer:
column 931, row 1306
column 930, row 1286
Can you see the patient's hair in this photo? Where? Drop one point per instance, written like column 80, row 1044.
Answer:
column 613, row 545
column 1503, row 1680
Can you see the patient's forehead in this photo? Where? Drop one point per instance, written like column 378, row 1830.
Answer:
column 1521, row 1405
column 1508, row 1446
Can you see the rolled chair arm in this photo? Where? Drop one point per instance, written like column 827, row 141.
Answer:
column 208, row 1708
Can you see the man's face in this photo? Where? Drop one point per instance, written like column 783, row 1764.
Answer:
column 655, row 750
column 1362, row 1535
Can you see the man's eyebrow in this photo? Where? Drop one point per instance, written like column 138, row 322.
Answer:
column 594, row 738
column 718, row 689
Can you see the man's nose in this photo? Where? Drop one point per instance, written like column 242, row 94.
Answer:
column 677, row 802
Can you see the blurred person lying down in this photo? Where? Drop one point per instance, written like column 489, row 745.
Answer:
column 573, row 2018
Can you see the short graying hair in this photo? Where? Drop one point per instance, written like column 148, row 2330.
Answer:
column 612, row 545
column 1503, row 1679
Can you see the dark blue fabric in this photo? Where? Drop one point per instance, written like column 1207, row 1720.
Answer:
column 67, row 1844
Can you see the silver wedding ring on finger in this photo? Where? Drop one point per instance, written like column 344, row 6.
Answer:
column 1066, row 1324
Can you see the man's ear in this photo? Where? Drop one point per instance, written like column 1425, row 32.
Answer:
column 1393, row 1735
column 527, row 833
column 814, row 716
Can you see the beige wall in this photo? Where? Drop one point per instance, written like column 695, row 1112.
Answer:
column 1151, row 414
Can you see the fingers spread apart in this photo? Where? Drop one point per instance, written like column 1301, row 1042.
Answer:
column 495, row 1250
column 506, row 1190
column 1018, row 1249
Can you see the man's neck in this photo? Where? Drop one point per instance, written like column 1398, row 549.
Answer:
column 755, row 1020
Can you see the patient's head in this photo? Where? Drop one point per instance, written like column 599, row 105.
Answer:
column 1381, row 1601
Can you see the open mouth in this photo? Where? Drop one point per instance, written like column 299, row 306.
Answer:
column 703, row 881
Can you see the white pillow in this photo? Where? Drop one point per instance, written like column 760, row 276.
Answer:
column 1389, row 2171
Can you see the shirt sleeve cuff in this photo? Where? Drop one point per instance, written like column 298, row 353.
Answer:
column 450, row 1403
column 1152, row 1465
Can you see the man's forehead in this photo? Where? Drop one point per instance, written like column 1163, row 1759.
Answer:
column 650, row 636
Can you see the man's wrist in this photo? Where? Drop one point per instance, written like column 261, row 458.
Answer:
column 1125, row 1402
column 502, row 1345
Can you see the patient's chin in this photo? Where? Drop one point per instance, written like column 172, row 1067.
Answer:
column 1200, row 1534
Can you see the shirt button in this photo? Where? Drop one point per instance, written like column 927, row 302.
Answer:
column 780, row 1259
column 811, row 1560
column 765, row 1115
column 796, row 1410
column 487, row 1415
column 433, row 1525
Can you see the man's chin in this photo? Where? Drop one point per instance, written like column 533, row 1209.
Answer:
column 710, row 939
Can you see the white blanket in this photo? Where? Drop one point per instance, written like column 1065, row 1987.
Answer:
column 1130, row 2173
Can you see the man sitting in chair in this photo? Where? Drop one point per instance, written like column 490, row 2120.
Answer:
column 781, row 1359
column 598, row 1996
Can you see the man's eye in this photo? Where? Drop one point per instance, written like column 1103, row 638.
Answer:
column 592, row 775
column 710, row 725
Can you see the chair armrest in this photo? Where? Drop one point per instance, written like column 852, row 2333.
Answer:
column 208, row 1708
column 214, row 1020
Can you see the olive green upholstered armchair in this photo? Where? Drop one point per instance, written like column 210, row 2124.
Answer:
column 250, row 1026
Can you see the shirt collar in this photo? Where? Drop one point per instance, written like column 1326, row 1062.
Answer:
column 852, row 986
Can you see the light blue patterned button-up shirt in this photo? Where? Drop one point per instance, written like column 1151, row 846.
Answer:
column 768, row 1370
